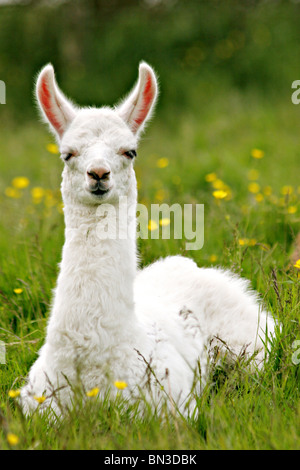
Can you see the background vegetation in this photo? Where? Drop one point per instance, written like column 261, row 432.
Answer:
column 225, row 122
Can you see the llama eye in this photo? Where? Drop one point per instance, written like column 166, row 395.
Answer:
column 67, row 156
column 130, row 154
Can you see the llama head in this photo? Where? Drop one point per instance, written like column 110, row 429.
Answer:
column 97, row 145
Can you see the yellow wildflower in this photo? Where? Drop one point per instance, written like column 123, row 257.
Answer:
column 20, row 182
column 287, row 190
column 247, row 242
column 120, row 384
column 13, row 393
column 213, row 258
column 40, row 399
column 52, row 148
column 257, row 153
column 218, row 184
column 18, row 290
column 37, row 192
column 220, row 194
column 259, row 197
column 93, row 392
column 12, row 439
column 254, row 188
column 210, row 177
column 164, row 222
column 297, row 264
column 152, row 225
column 12, row 192
column 162, row 162
column 292, row 209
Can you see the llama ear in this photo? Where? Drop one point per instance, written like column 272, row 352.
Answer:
column 137, row 107
column 56, row 108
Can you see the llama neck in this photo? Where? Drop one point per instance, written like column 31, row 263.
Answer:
column 95, row 284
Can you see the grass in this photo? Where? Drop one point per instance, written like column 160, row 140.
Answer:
column 251, row 231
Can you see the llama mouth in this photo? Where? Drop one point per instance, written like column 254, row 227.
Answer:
column 99, row 192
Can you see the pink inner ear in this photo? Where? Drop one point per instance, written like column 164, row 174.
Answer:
column 148, row 95
column 47, row 104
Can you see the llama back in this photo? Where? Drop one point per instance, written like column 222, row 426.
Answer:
column 228, row 313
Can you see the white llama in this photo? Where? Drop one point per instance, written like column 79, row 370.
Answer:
column 110, row 321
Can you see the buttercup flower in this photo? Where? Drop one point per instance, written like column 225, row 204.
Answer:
column 152, row 225
column 52, row 148
column 12, row 439
column 18, row 290
column 297, row 264
column 259, row 197
column 165, row 221
column 162, row 162
column 287, row 190
column 40, row 399
column 257, row 153
column 120, row 384
column 37, row 192
column 20, row 182
column 210, row 177
column 292, row 209
column 220, row 194
column 247, row 242
column 219, row 184
column 254, row 188
column 13, row 393
column 93, row 392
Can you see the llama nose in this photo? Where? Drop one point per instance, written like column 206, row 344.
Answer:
column 98, row 174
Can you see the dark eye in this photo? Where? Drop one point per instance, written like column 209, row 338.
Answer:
column 67, row 156
column 130, row 154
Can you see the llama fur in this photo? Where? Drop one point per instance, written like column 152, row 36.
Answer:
column 110, row 320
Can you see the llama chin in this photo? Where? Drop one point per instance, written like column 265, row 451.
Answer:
column 111, row 321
